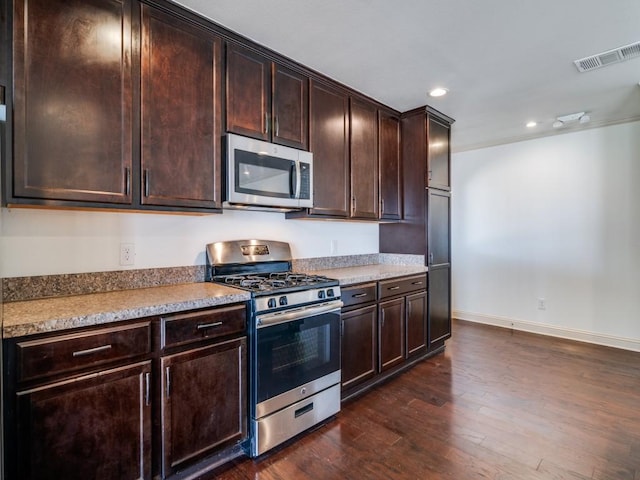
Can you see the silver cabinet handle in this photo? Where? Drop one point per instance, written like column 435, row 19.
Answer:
column 359, row 295
column 147, row 389
column 3, row 106
column 167, row 376
column 394, row 288
column 416, row 283
column 90, row 351
column 146, row 182
column 277, row 126
column 208, row 325
column 266, row 123
column 127, row 181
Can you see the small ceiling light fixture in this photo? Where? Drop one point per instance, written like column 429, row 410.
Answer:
column 581, row 117
column 531, row 124
column 438, row 92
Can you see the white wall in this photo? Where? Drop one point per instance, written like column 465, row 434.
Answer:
column 556, row 218
column 45, row 242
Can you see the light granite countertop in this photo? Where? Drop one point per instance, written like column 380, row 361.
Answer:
column 61, row 313
column 370, row 273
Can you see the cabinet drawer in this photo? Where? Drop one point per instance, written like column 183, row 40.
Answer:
column 400, row 286
column 193, row 326
column 358, row 294
column 68, row 353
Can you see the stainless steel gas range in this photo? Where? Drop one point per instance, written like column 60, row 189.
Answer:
column 294, row 339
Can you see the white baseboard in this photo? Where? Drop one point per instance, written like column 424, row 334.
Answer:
column 551, row 330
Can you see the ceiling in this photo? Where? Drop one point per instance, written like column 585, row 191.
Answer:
column 504, row 62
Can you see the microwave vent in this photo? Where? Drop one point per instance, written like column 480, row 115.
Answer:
column 617, row 55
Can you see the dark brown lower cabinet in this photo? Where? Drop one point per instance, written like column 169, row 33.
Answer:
column 140, row 399
column 359, row 345
column 384, row 329
column 416, row 323
column 96, row 426
column 203, row 402
column 439, row 304
column 391, row 327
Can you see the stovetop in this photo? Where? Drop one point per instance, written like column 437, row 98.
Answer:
column 275, row 282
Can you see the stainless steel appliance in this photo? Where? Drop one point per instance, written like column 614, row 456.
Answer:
column 294, row 339
column 262, row 174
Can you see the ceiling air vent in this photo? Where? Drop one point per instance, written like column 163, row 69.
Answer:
column 603, row 59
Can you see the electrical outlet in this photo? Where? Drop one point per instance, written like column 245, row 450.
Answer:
column 334, row 247
column 127, row 253
column 542, row 304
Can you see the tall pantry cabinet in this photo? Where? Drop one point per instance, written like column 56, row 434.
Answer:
column 426, row 227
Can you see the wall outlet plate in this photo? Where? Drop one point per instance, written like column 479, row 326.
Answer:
column 127, row 253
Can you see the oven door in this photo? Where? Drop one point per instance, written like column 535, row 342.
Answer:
column 297, row 355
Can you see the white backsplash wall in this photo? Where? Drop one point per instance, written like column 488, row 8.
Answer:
column 554, row 220
column 48, row 242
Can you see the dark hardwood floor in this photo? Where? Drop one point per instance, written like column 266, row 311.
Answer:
column 497, row 404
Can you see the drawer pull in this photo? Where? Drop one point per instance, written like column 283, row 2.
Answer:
column 416, row 283
column 394, row 288
column 202, row 326
column 89, row 351
column 359, row 295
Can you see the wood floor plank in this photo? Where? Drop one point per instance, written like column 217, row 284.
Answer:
column 497, row 404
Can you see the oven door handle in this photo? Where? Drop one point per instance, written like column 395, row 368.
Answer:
column 276, row 318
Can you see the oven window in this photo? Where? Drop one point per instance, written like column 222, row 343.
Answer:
column 263, row 175
column 297, row 352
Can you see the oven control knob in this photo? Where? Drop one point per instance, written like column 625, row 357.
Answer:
column 330, row 293
column 303, row 391
column 283, row 300
column 321, row 294
column 271, row 303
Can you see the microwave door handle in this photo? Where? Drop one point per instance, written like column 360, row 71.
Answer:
column 294, row 180
column 298, row 180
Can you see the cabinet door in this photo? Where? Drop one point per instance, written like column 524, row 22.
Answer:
column 416, row 323
column 290, row 108
column 438, row 168
column 97, row 426
column 439, row 228
column 328, row 127
column 439, row 304
column 72, row 100
column 410, row 236
column 391, row 333
column 203, row 402
column 248, row 93
column 181, row 112
column 389, row 165
column 358, row 345
column 364, row 160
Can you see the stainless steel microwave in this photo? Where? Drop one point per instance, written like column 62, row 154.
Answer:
column 263, row 174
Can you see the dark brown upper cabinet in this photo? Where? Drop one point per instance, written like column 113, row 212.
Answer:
column 390, row 167
column 329, row 128
column 364, row 160
column 266, row 100
column 181, row 113
column 72, row 131
column 438, row 153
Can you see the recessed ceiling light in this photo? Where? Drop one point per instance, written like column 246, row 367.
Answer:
column 438, row 92
column 531, row 124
